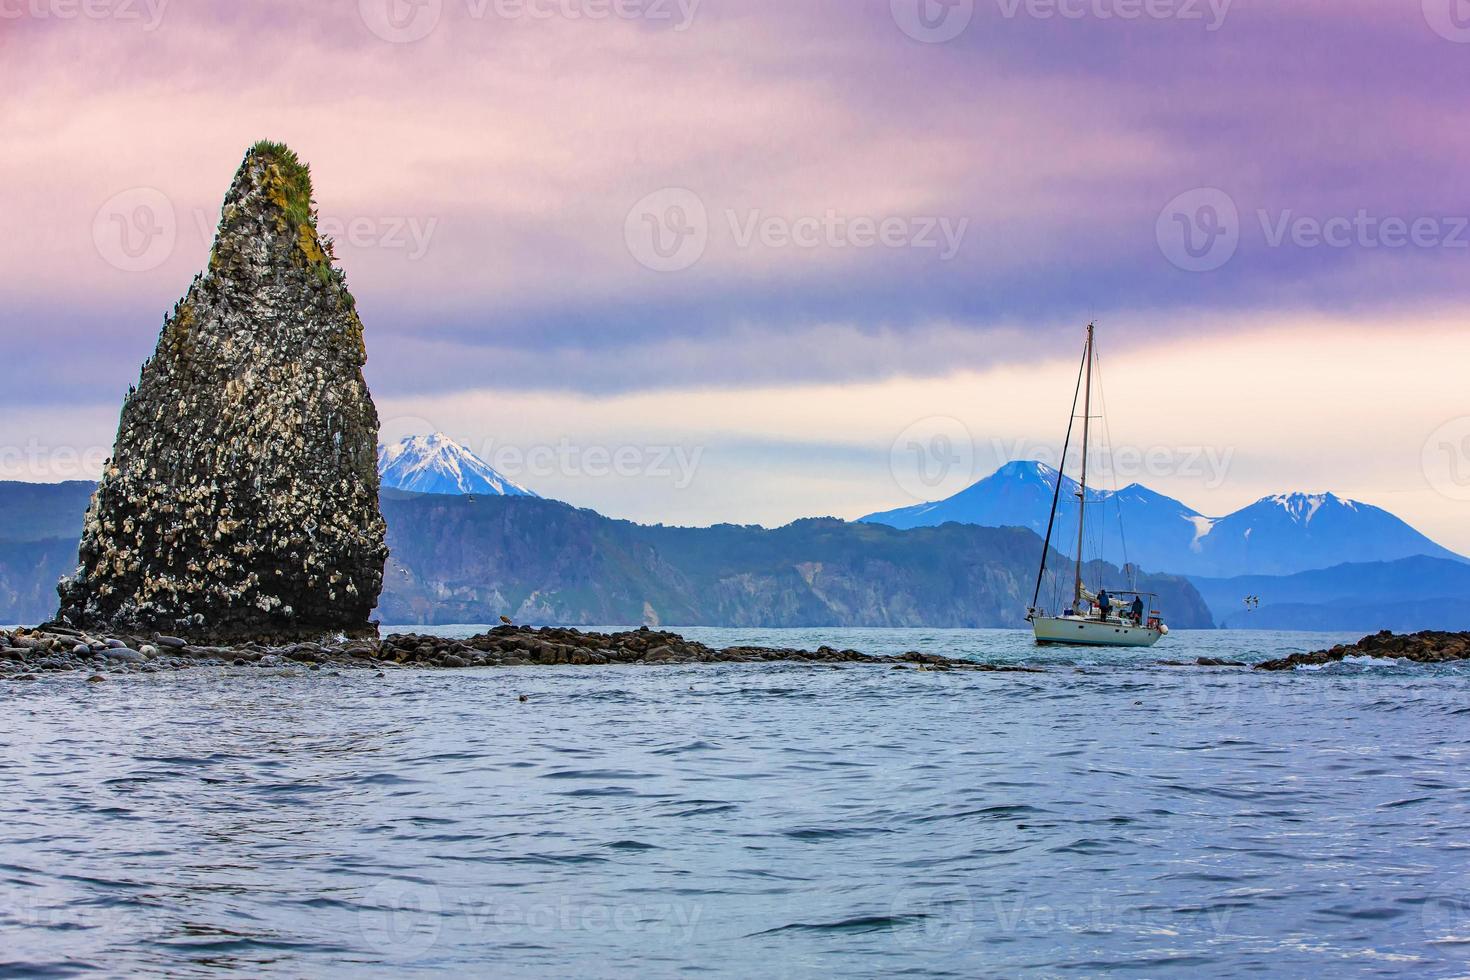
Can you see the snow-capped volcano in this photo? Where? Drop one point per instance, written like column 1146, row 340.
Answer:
column 438, row 464
column 1302, row 507
column 1277, row 535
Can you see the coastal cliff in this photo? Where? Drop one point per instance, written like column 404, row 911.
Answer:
column 241, row 498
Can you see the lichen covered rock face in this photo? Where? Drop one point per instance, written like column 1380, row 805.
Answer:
column 242, row 494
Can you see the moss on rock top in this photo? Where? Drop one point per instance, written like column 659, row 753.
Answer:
column 291, row 183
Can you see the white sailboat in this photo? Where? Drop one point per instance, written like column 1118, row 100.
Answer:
column 1113, row 618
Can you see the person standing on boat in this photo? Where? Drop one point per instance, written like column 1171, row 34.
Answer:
column 1138, row 610
column 1103, row 601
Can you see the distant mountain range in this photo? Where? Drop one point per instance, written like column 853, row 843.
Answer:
column 1405, row 595
column 438, row 464
column 474, row 558
column 469, row 560
column 1278, row 535
column 494, row 548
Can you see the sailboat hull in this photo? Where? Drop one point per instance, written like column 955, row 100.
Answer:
column 1092, row 633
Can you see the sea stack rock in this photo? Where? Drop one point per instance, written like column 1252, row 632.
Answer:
column 241, row 499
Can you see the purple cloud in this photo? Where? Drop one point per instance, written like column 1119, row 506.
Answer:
column 851, row 179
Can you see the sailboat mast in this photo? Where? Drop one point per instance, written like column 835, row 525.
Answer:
column 1056, row 496
column 1082, row 492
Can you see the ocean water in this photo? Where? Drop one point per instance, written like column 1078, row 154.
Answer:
column 1105, row 818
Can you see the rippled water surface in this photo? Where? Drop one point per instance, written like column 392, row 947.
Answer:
column 1106, row 817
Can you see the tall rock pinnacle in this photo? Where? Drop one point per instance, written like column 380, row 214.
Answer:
column 241, row 499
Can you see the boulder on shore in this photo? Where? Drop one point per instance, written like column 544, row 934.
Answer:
column 1428, row 647
column 241, row 499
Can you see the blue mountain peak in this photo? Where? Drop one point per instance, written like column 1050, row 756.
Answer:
column 1279, row 534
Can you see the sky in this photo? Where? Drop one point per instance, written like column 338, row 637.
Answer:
column 700, row 261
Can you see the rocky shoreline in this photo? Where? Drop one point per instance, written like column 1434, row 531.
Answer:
column 1429, row 647
column 26, row 653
